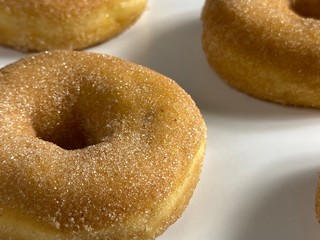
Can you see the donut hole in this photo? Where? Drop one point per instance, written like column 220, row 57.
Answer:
column 306, row 8
column 66, row 133
column 79, row 120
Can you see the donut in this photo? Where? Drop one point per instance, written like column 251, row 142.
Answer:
column 267, row 49
column 48, row 25
column 94, row 147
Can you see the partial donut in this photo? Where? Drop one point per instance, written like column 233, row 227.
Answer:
column 46, row 25
column 94, row 147
column 268, row 49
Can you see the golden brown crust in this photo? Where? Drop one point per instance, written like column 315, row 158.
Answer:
column 131, row 172
column 264, row 48
column 47, row 25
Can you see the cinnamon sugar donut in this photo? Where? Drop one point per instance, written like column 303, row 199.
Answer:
column 94, row 147
column 266, row 48
column 45, row 25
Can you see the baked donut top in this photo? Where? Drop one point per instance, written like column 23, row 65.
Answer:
column 267, row 30
column 64, row 9
column 297, row 22
column 90, row 129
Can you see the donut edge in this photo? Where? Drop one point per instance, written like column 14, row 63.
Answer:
column 32, row 34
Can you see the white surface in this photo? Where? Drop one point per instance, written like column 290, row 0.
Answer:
column 261, row 166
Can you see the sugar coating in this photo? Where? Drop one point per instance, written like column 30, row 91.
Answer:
column 59, row 10
column 267, row 48
column 272, row 21
column 90, row 141
column 48, row 24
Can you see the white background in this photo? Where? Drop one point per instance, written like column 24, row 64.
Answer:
column 261, row 166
